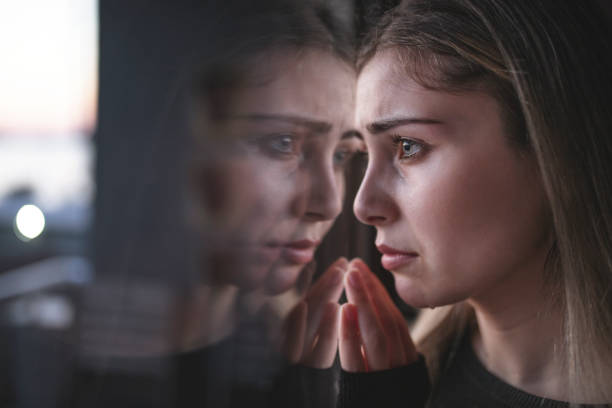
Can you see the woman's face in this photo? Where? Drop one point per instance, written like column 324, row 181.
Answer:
column 458, row 211
column 276, row 182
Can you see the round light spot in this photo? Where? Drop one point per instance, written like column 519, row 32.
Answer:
column 29, row 222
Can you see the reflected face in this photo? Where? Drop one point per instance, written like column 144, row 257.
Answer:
column 458, row 211
column 276, row 182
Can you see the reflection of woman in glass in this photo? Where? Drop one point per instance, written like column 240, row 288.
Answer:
column 487, row 125
column 272, row 172
column 273, row 114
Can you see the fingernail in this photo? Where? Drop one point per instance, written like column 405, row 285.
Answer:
column 358, row 263
column 354, row 280
column 341, row 263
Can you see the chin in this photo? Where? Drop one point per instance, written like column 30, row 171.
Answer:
column 410, row 291
column 418, row 295
column 282, row 278
column 225, row 269
column 250, row 279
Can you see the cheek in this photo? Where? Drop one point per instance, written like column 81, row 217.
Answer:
column 476, row 221
column 247, row 197
column 223, row 189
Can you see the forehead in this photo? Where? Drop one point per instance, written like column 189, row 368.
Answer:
column 386, row 90
column 312, row 84
column 384, row 87
column 382, row 72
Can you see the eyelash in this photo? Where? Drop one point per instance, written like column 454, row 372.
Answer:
column 399, row 143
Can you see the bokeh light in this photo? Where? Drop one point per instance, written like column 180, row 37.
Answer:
column 29, row 222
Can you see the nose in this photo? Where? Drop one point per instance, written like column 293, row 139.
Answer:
column 374, row 203
column 321, row 198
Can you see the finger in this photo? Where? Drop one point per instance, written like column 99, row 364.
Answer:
column 304, row 279
column 325, row 344
column 385, row 311
column 374, row 338
column 295, row 327
column 403, row 350
column 329, row 284
column 354, row 294
column 327, row 289
column 351, row 357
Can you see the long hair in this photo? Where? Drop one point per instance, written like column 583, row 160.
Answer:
column 548, row 64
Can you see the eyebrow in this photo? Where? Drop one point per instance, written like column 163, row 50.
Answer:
column 383, row 125
column 312, row 124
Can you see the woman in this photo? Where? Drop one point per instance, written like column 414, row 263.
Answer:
column 273, row 113
column 486, row 124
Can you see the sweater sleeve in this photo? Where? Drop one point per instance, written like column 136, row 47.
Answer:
column 406, row 386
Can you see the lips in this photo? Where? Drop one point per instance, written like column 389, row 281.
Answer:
column 296, row 252
column 393, row 259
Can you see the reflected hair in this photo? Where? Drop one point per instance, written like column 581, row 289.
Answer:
column 548, row 64
column 251, row 31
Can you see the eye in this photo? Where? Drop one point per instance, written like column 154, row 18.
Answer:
column 341, row 156
column 282, row 144
column 407, row 148
column 346, row 150
column 279, row 145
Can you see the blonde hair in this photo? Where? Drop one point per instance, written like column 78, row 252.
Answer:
column 548, row 65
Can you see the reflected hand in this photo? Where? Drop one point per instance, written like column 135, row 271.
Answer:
column 311, row 328
column 373, row 333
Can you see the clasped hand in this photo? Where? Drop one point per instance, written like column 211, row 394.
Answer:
column 369, row 331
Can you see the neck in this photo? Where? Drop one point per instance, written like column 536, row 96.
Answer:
column 209, row 316
column 212, row 313
column 519, row 336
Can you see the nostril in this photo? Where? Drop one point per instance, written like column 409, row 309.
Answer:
column 375, row 219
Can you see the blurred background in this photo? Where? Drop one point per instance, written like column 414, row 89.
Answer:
column 49, row 82
column 48, row 104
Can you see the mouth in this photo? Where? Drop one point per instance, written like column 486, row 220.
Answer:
column 393, row 259
column 298, row 252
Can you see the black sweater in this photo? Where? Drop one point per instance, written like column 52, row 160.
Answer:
column 466, row 383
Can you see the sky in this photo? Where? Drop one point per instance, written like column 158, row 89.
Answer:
column 58, row 170
column 48, row 96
